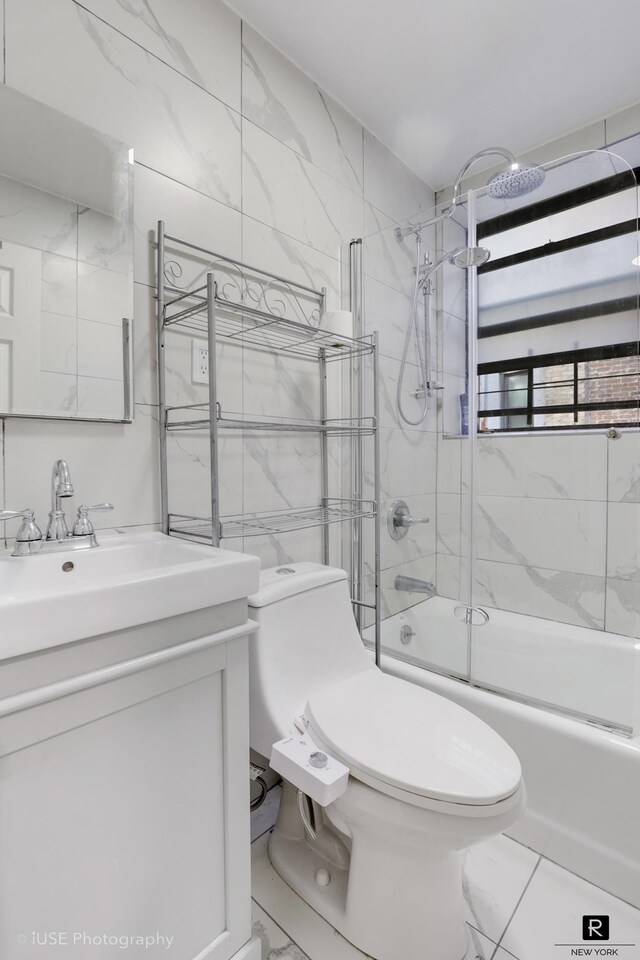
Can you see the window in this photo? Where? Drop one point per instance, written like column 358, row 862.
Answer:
column 558, row 309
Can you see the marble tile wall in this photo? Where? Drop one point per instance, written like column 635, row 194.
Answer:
column 238, row 151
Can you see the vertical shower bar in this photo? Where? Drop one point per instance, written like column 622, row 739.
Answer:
column 356, row 388
column 472, row 391
column 213, row 409
column 162, row 416
column 376, row 494
column 324, row 462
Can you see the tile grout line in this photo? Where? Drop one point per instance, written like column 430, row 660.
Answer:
column 515, row 909
column 285, row 932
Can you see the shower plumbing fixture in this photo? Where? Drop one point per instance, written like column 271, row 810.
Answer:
column 517, row 181
column 413, row 585
column 399, row 520
column 462, row 257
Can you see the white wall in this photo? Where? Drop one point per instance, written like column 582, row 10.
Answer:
column 236, row 150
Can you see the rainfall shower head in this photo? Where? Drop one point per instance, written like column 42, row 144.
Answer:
column 515, row 182
column 465, row 257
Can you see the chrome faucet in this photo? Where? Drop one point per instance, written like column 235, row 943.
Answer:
column 29, row 541
column 412, row 585
column 61, row 486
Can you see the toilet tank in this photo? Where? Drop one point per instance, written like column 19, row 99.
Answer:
column 307, row 638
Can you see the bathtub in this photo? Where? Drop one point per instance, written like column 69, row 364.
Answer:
column 583, row 781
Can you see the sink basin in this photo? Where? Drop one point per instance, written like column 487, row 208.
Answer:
column 129, row 579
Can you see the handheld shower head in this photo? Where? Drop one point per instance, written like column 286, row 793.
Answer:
column 515, row 182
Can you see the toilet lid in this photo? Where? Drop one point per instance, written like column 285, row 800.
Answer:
column 396, row 733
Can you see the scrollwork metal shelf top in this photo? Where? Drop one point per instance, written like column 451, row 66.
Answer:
column 259, row 308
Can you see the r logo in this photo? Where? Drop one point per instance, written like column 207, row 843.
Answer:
column 595, row 928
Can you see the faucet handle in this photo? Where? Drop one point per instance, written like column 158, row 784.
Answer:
column 29, row 529
column 83, row 526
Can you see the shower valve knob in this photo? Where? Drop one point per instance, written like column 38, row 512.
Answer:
column 399, row 520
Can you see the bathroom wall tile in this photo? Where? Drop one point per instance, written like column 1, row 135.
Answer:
column 100, row 350
column 104, row 241
column 59, row 285
column 392, row 600
column 145, row 370
column 391, row 186
column 187, row 214
column 552, row 594
column 454, row 345
column 189, row 473
column 453, row 280
column 284, row 191
column 277, row 385
column 200, row 38
column 59, row 344
column 100, row 398
column 451, row 576
column 307, row 929
column 480, row 947
column 68, row 58
column 452, row 464
column 388, row 312
column 454, row 388
column 624, row 468
column 38, row 219
column 450, row 522
column 549, row 467
column 407, row 464
column 623, row 541
column 623, row 607
column 390, row 370
column 495, row 875
column 565, row 535
column 562, row 899
column 281, row 472
column 284, row 102
column 58, row 394
column 274, row 251
column 386, row 259
column 180, row 388
column 274, row 551
column 117, row 462
column 104, row 296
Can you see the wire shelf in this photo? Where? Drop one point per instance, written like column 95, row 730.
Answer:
column 260, row 328
column 273, row 522
column 195, row 416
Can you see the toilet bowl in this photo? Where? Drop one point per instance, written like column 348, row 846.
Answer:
column 427, row 779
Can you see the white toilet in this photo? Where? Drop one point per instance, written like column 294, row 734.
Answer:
column 427, row 778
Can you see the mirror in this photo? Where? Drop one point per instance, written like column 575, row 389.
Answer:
column 66, row 266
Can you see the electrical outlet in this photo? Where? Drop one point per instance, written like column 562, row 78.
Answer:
column 199, row 362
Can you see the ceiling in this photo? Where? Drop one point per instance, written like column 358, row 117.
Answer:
column 438, row 80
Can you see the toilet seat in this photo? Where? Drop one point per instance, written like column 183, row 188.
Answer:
column 413, row 744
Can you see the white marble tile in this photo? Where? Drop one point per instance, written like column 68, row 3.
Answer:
column 100, row 398
column 198, row 38
column 389, row 312
column 274, row 551
column 275, row 385
column 59, row 285
column 495, row 875
column 180, row 387
column 145, row 371
column 407, row 464
column 551, row 912
column 451, row 572
column 567, row 535
column 58, row 394
column 265, row 816
column 454, row 345
column 59, row 344
column 392, row 600
column 174, row 125
column 100, row 350
column 624, row 467
column 95, row 454
column 104, row 296
column 187, row 214
column 551, row 594
column 420, row 540
column 105, row 240
column 623, row 541
column 391, row 186
column 454, row 388
column 281, row 471
column 562, row 467
column 622, row 611
column 450, row 522
column 284, row 191
column 274, row 942
column 274, row 251
column 37, row 219
column 390, row 371
column 452, row 464
column 452, row 288
column 385, row 258
column 278, row 97
column 303, row 925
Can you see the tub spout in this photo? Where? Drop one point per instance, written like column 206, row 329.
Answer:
column 412, row 585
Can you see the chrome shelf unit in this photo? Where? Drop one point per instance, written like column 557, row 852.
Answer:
column 232, row 301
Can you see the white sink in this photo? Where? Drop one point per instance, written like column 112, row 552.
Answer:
column 129, row 579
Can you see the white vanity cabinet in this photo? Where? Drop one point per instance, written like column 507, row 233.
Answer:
column 124, row 792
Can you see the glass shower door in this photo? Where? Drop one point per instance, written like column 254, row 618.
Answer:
column 552, row 527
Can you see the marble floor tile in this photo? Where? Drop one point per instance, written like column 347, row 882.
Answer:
column 264, row 817
column 274, row 942
column 551, row 913
column 495, row 875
